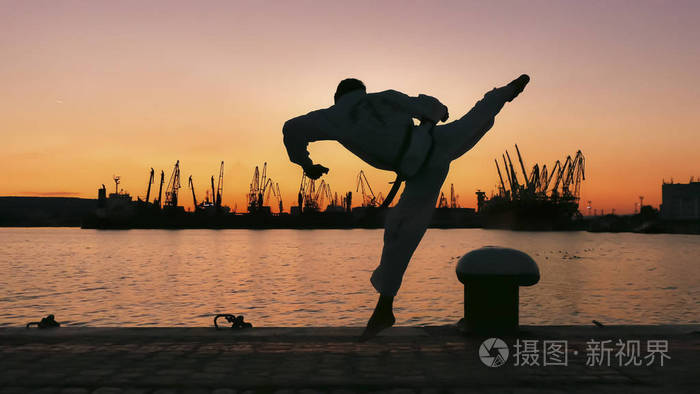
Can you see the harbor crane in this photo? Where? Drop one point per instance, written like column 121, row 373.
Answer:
column 503, row 190
column 260, row 187
column 534, row 181
column 579, row 174
column 150, row 182
column 171, row 192
column 194, row 198
column 515, row 186
column 510, row 180
column 442, row 203
column 160, row 189
column 276, row 192
column 368, row 199
column 213, row 191
column 310, row 201
column 347, row 202
column 453, row 197
column 220, row 187
column 549, row 189
column 333, row 202
column 544, row 176
column 559, row 177
column 267, row 190
column 300, row 195
column 522, row 167
column 555, row 170
column 320, row 194
column 253, row 198
column 568, row 179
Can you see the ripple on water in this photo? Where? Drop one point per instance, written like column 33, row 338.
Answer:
column 302, row 278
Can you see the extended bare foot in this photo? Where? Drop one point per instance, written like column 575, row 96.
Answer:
column 518, row 85
column 381, row 319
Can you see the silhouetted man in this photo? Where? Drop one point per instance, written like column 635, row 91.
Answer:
column 379, row 128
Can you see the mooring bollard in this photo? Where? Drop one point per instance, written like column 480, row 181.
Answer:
column 492, row 277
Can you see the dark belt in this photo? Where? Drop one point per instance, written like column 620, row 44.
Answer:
column 397, row 164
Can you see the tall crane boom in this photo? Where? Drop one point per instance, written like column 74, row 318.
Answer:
column 300, row 196
column 213, row 191
column 367, row 199
column 173, row 187
column 505, row 168
column 580, row 174
column 160, row 189
column 513, row 176
column 544, row 179
column 522, row 167
column 320, row 194
column 150, row 182
column 534, row 182
column 279, row 196
column 266, row 191
column 220, row 186
column 253, row 192
column 194, row 198
column 263, row 179
column 555, row 170
column 560, row 174
column 503, row 185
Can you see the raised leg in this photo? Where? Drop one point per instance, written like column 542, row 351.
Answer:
column 456, row 138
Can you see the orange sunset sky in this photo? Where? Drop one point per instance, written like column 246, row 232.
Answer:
column 96, row 88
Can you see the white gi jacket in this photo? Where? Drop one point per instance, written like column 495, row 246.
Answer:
column 372, row 126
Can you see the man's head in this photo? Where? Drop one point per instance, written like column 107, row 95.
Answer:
column 347, row 86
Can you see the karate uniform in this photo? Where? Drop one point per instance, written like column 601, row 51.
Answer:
column 373, row 127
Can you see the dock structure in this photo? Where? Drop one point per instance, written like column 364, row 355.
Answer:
column 315, row 360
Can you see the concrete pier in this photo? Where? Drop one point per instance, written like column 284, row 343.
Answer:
column 312, row 360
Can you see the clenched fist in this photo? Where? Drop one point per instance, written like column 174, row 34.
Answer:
column 315, row 171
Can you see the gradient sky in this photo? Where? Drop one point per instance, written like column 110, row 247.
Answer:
column 96, row 88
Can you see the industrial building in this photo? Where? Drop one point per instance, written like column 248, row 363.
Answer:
column 680, row 201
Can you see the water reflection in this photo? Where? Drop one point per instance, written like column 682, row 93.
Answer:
column 321, row 277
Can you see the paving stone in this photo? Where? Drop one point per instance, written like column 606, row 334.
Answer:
column 281, row 363
column 190, row 390
column 136, row 391
column 108, row 390
column 75, row 390
column 13, row 390
column 45, row 390
column 224, row 391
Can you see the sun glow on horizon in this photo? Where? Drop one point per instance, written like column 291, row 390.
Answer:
column 100, row 89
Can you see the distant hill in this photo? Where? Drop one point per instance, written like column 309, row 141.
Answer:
column 44, row 211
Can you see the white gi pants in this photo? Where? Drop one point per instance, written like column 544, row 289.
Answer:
column 407, row 222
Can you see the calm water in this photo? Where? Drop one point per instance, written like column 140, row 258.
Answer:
column 321, row 277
